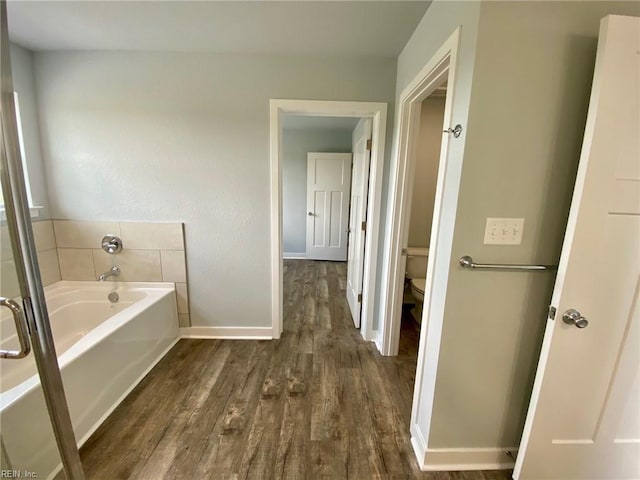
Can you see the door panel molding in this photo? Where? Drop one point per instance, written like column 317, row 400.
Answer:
column 328, row 187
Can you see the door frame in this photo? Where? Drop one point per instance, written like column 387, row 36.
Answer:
column 377, row 111
column 442, row 66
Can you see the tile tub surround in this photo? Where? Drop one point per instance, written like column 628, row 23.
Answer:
column 151, row 252
column 47, row 257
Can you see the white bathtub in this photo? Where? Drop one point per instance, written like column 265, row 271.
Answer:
column 104, row 350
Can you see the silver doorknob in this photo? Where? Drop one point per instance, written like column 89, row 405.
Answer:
column 575, row 318
column 311, row 214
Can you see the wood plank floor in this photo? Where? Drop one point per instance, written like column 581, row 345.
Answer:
column 318, row 403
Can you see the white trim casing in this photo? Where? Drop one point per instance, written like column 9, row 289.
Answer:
column 442, row 66
column 377, row 111
column 419, row 444
column 377, row 339
column 228, row 333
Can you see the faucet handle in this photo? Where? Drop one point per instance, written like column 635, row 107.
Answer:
column 111, row 244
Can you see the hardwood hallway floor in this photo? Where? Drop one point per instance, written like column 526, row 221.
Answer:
column 318, row 403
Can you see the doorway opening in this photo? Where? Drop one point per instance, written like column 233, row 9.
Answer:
column 316, row 153
column 419, row 214
column 327, row 232
column 437, row 77
column 325, row 180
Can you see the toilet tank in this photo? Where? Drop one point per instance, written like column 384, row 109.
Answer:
column 417, row 262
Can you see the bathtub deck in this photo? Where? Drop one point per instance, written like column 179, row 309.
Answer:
column 318, row 403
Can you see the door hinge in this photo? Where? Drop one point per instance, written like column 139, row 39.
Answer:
column 552, row 312
column 359, row 298
column 364, row 226
column 369, row 144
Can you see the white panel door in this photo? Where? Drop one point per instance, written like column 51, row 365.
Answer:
column 584, row 416
column 328, row 187
column 358, row 215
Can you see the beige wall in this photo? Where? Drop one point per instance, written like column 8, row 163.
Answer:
column 529, row 78
column 426, row 171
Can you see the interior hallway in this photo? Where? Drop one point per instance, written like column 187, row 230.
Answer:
column 318, row 403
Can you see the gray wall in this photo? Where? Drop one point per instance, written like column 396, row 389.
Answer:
column 532, row 72
column 23, row 83
column 425, row 176
column 295, row 146
column 182, row 137
column 437, row 25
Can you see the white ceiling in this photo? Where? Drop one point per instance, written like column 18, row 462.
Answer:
column 305, row 122
column 378, row 28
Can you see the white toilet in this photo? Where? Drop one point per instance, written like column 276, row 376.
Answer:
column 416, row 272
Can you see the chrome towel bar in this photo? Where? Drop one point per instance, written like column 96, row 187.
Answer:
column 412, row 252
column 467, row 262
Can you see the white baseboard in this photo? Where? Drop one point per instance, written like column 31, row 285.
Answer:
column 377, row 339
column 457, row 459
column 228, row 333
column 372, row 336
column 419, row 444
column 294, row 256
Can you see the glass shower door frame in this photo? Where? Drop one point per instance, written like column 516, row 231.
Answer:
column 28, row 273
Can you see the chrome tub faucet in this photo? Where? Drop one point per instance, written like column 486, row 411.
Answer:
column 113, row 272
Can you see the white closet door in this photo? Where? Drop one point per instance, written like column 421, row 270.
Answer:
column 328, row 187
column 584, row 416
column 358, row 215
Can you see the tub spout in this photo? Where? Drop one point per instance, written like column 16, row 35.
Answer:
column 113, row 272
